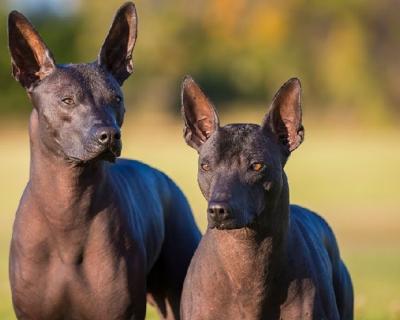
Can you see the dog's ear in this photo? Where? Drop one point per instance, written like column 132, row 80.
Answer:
column 283, row 119
column 116, row 53
column 31, row 60
column 200, row 117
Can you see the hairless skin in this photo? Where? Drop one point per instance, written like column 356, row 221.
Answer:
column 93, row 236
column 260, row 257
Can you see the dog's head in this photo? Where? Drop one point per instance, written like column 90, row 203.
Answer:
column 80, row 107
column 241, row 165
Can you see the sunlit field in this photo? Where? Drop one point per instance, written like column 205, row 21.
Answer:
column 350, row 176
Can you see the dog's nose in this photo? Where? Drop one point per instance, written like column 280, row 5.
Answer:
column 218, row 211
column 108, row 135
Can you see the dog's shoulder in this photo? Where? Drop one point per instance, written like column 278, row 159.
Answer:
column 309, row 220
column 314, row 231
column 134, row 168
column 143, row 176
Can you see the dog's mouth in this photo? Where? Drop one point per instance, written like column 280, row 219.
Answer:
column 233, row 222
column 224, row 225
column 109, row 154
column 232, row 225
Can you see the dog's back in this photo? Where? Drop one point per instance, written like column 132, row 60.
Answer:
column 152, row 201
column 314, row 254
column 156, row 210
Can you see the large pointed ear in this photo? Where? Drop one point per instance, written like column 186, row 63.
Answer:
column 200, row 117
column 283, row 119
column 31, row 60
column 116, row 53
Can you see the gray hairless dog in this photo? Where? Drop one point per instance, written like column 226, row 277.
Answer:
column 92, row 235
column 260, row 258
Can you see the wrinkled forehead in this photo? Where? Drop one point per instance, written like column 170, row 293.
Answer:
column 236, row 141
column 80, row 78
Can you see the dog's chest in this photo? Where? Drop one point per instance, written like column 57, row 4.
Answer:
column 91, row 290
column 300, row 300
column 52, row 281
column 219, row 295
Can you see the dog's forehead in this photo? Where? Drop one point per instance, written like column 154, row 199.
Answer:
column 84, row 77
column 235, row 140
column 239, row 135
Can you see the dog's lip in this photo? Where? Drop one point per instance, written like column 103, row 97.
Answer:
column 108, row 154
column 228, row 224
column 231, row 224
column 226, row 227
column 107, row 151
column 223, row 226
column 75, row 159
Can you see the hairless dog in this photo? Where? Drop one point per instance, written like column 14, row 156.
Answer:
column 93, row 235
column 260, row 258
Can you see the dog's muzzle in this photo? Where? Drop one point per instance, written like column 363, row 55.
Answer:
column 108, row 141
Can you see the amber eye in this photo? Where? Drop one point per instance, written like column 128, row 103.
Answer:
column 257, row 166
column 205, row 166
column 68, row 101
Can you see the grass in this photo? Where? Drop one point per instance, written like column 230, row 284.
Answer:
column 350, row 176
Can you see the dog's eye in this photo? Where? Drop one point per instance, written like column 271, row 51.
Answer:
column 205, row 166
column 118, row 99
column 257, row 166
column 67, row 100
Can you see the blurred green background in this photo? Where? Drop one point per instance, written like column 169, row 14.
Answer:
column 345, row 53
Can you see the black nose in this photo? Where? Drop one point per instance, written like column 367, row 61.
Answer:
column 107, row 135
column 218, row 211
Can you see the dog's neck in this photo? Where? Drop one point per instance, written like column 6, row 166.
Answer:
column 71, row 188
column 254, row 259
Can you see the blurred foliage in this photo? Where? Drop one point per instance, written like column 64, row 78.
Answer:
column 335, row 172
column 345, row 52
column 59, row 34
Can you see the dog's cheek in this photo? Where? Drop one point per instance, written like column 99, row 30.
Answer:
column 273, row 183
column 260, row 201
column 204, row 184
column 71, row 143
column 49, row 131
column 267, row 185
column 120, row 117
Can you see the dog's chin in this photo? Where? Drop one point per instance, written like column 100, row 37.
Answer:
column 225, row 225
column 228, row 227
column 230, row 224
column 106, row 155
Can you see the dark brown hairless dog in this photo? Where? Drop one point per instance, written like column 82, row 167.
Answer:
column 260, row 258
column 92, row 235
